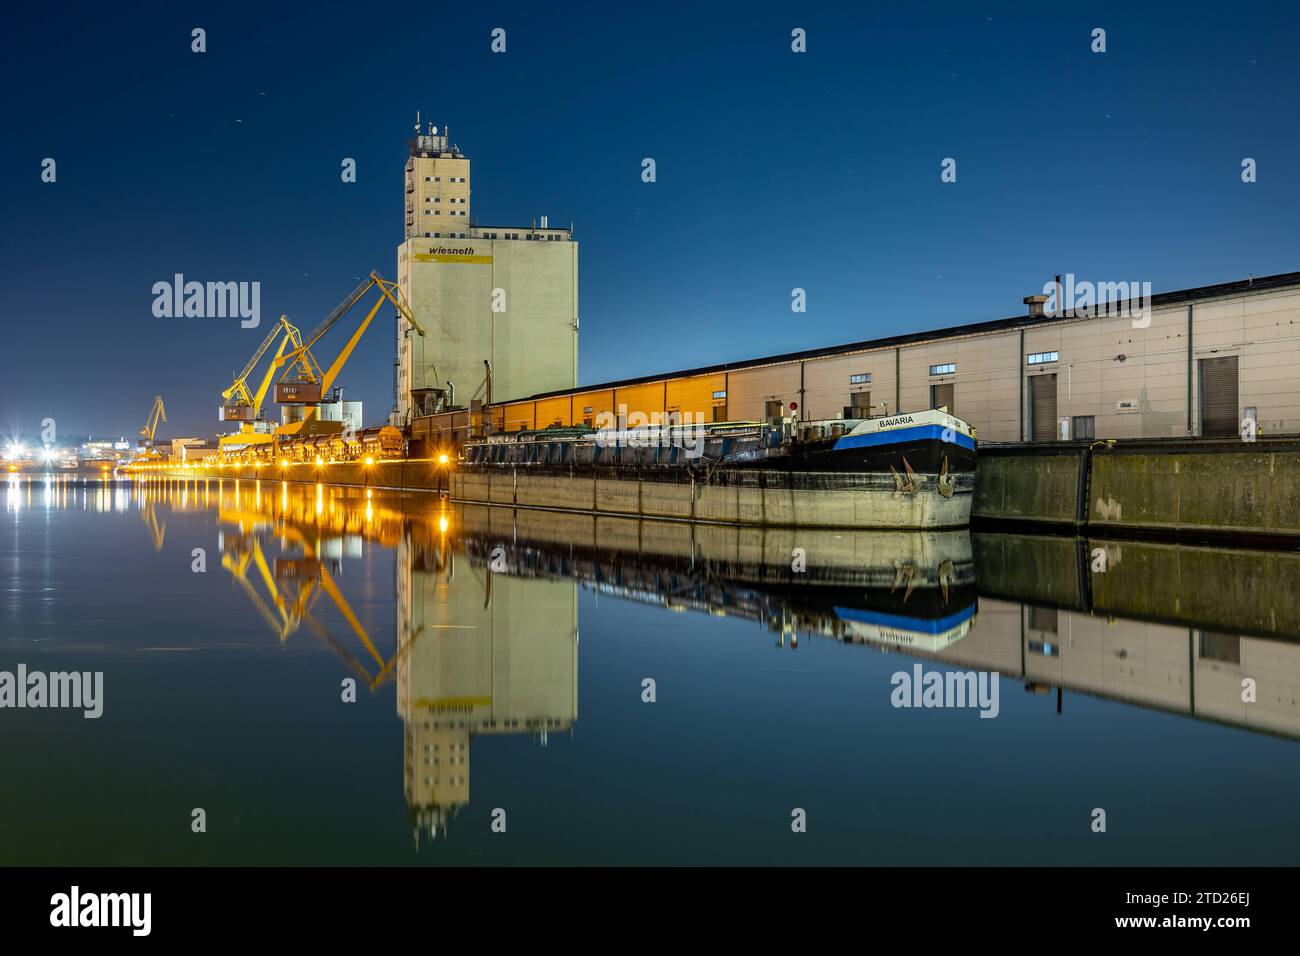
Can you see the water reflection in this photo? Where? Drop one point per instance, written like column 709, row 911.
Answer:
column 486, row 633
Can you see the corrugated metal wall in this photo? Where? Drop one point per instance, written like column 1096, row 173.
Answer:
column 1131, row 376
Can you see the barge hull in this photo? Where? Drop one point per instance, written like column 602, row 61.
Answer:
column 758, row 497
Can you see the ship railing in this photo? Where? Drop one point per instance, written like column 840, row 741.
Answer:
column 827, row 428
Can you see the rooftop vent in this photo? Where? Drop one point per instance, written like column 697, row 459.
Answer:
column 1036, row 303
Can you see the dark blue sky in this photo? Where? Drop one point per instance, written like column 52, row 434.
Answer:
column 775, row 170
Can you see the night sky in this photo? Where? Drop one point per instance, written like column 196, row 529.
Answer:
column 775, row 170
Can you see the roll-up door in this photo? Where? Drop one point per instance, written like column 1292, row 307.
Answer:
column 1042, row 407
column 942, row 396
column 1218, row 377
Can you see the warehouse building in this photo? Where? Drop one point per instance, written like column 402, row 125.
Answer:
column 1196, row 362
column 1116, row 362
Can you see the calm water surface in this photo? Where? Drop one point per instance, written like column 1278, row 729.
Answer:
column 500, row 660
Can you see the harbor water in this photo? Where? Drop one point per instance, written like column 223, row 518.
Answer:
column 297, row 674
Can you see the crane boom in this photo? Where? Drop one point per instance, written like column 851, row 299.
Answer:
column 242, row 378
column 339, row 311
column 241, row 404
column 327, row 381
column 308, row 370
column 156, row 412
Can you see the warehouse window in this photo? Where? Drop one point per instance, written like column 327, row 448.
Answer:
column 862, row 378
column 1044, row 619
column 720, row 393
column 948, row 369
column 1039, row 358
column 1083, row 426
column 1215, row 646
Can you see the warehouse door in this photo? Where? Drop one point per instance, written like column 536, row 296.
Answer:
column 1042, row 407
column 1219, row 396
column 942, row 396
column 859, row 405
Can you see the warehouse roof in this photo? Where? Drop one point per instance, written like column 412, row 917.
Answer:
column 1240, row 286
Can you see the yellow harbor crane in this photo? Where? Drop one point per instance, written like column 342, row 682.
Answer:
column 244, row 406
column 303, row 383
column 241, row 405
column 294, row 588
column 156, row 414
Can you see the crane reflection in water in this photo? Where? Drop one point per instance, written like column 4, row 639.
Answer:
column 486, row 637
column 486, row 634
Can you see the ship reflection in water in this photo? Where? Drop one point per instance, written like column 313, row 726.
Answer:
column 487, row 601
column 479, row 637
column 487, row 630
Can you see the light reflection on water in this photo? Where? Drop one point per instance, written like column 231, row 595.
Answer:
column 473, row 633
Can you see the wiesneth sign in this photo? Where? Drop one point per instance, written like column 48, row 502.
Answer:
column 452, row 254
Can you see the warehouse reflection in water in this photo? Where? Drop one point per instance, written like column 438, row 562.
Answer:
column 487, row 638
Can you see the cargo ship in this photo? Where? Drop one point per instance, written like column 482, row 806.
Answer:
column 898, row 590
column 913, row 471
